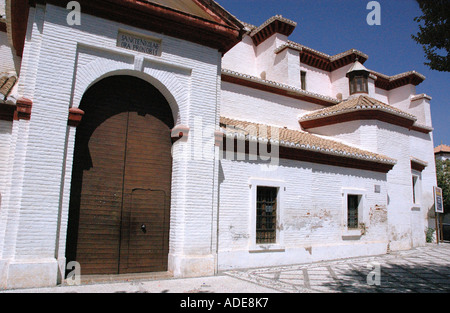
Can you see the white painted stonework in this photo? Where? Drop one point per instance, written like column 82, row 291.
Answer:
column 213, row 210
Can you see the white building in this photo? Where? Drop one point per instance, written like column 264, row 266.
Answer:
column 169, row 136
column 442, row 152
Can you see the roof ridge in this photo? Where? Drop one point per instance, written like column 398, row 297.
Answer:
column 353, row 104
column 442, row 148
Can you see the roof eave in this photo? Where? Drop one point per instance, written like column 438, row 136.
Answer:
column 276, row 88
column 358, row 115
column 150, row 16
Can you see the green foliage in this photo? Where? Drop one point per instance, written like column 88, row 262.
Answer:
column 429, row 234
column 443, row 181
column 434, row 34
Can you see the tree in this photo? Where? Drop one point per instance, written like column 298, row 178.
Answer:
column 434, row 34
column 443, row 181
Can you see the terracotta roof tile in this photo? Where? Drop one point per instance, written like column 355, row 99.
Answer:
column 442, row 148
column 356, row 104
column 270, row 20
column 297, row 139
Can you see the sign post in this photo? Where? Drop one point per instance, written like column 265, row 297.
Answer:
column 438, row 208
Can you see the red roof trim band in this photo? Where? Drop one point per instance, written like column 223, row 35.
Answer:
column 75, row 116
column 318, row 158
column 272, row 89
column 417, row 166
column 366, row 114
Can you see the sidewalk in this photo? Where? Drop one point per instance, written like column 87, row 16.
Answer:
column 424, row 269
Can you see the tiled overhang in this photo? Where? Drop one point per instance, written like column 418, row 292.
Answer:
column 276, row 88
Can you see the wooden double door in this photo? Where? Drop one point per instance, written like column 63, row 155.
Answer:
column 121, row 181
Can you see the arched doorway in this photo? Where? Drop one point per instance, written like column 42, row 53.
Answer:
column 121, row 179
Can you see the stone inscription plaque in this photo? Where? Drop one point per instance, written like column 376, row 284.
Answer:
column 139, row 43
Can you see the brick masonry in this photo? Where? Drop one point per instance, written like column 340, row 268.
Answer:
column 212, row 218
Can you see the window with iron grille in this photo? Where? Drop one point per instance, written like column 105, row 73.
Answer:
column 266, row 214
column 414, row 189
column 303, row 79
column 352, row 211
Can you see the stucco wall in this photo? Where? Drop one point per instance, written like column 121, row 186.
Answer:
column 60, row 62
column 248, row 104
column 242, row 58
column 406, row 219
column 9, row 62
column 311, row 215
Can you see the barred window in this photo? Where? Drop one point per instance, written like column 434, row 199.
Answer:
column 303, row 79
column 352, row 211
column 266, row 214
column 414, row 189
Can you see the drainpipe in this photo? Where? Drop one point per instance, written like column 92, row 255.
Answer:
column 215, row 198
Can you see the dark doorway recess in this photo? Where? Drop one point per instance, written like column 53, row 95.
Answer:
column 121, row 179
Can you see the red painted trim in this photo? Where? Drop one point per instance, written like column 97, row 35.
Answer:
column 387, row 84
column 417, row 166
column 179, row 132
column 421, row 129
column 323, row 63
column 23, row 109
column 366, row 114
column 276, row 26
column 19, row 24
column 275, row 90
column 153, row 17
column 75, row 116
column 320, row 158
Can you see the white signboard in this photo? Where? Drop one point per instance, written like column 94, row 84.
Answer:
column 438, row 200
column 139, row 43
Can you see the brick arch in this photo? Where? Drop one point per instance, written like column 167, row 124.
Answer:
column 166, row 82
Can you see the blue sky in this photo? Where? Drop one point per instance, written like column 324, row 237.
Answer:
column 334, row 26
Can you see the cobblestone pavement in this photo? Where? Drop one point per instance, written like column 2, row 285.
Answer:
column 422, row 270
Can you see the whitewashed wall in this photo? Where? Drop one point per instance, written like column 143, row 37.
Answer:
column 318, row 81
column 60, row 62
column 242, row 58
column 9, row 62
column 406, row 219
column 311, row 213
column 248, row 104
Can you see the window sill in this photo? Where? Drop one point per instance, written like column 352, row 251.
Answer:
column 352, row 234
column 266, row 248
